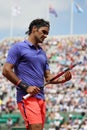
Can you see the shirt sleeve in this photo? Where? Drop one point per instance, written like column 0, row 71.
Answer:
column 47, row 65
column 13, row 54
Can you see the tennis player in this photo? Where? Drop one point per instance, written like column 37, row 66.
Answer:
column 27, row 67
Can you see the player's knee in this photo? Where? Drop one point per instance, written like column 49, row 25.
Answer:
column 38, row 126
column 35, row 127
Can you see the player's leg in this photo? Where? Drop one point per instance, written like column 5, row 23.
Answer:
column 35, row 127
column 42, row 105
column 32, row 111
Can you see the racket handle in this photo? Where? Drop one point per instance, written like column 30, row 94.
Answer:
column 26, row 96
column 29, row 95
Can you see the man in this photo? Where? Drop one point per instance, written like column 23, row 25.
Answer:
column 26, row 66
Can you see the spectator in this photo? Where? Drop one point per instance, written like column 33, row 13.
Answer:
column 9, row 123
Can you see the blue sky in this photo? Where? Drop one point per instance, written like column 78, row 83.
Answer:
column 11, row 25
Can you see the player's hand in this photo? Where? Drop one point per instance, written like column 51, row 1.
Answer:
column 68, row 75
column 33, row 90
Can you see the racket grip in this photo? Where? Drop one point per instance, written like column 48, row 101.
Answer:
column 26, row 96
column 29, row 95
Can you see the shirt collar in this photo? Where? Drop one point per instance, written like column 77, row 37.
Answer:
column 30, row 44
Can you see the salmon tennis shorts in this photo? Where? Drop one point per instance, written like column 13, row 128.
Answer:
column 33, row 110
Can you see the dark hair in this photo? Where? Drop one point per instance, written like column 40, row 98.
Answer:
column 38, row 23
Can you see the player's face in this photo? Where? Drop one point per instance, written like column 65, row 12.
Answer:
column 41, row 34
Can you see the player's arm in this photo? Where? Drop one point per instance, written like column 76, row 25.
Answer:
column 66, row 77
column 9, row 73
column 11, row 76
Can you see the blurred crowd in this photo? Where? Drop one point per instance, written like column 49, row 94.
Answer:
column 68, row 97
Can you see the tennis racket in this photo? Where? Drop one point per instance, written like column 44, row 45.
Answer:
column 55, row 77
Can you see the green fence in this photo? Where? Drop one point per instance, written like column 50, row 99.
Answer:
column 19, row 128
column 19, row 123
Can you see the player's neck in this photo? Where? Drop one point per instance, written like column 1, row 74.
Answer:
column 33, row 41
